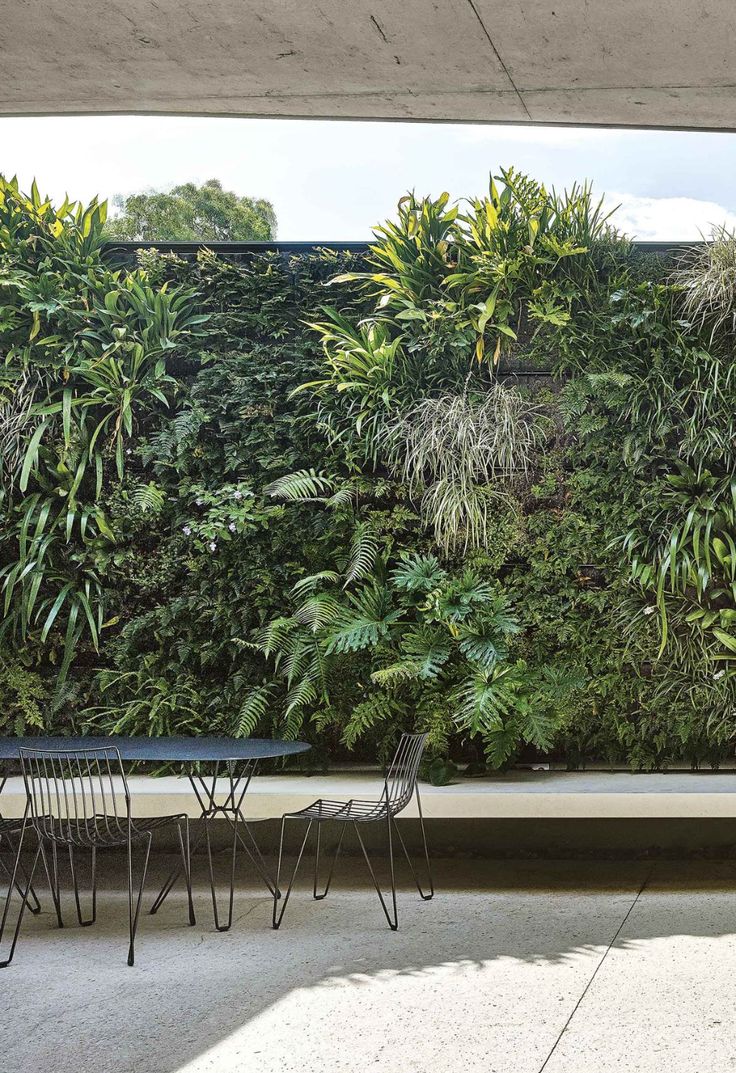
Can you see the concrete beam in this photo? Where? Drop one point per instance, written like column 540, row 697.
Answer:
column 662, row 63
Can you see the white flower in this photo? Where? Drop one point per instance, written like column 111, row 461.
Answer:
column 212, row 545
column 649, row 610
column 128, row 451
column 237, row 495
column 718, row 674
column 232, row 527
column 187, row 530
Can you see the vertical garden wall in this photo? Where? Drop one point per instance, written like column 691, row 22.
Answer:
column 479, row 481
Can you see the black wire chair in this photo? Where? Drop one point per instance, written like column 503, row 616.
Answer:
column 75, row 803
column 11, row 828
column 400, row 786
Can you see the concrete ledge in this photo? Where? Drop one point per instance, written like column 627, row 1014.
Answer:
column 518, row 795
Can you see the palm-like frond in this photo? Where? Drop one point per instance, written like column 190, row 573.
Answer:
column 429, row 648
column 367, row 622
column 483, row 701
column 482, row 648
column 417, row 573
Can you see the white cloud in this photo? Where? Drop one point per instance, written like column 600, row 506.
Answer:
column 667, row 218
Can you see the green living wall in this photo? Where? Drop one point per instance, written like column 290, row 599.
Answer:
column 480, row 481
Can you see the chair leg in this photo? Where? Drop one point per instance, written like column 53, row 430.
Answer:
column 186, row 861
column 425, row 897
column 393, row 924
column 82, row 922
column 174, row 875
column 23, row 903
column 255, row 855
column 134, row 911
column 52, row 876
column 278, row 911
column 33, row 903
column 318, row 897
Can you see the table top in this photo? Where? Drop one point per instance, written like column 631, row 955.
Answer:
column 161, row 749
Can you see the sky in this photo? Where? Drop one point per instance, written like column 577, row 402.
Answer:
column 332, row 180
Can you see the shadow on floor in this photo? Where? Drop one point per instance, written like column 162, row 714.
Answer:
column 490, row 969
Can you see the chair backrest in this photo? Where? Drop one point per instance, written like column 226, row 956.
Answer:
column 401, row 779
column 70, row 793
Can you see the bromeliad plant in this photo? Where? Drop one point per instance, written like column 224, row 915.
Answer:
column 448, row 289
column 459, row 283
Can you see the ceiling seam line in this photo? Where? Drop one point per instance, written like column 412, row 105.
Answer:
column 497, row 54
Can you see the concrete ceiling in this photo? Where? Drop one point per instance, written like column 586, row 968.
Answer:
column 663, row 63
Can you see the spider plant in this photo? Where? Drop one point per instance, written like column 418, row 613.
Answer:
column 461, row 453
column 707, row 276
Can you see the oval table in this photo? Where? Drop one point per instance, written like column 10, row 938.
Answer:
column 233, row 759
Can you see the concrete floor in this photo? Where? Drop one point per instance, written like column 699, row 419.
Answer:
column 526, row 967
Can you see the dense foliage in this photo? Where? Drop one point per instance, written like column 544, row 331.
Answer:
column 191, row 213
column 480, row 482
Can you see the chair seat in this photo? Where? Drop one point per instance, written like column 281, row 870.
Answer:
column 101, row 831
column 10, row 825
column 353, row 811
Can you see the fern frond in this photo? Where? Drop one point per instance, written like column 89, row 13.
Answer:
column 610, row 378
column 434, row 716
column 379, row 708
column 253, row 711
column 341, row 497
column 396, row 673
column 305, row 485
column 307, row 585
column 273, row 637
column 148, row 498
column 363, row 552
column 326, row 717
column 300, row 695
column 319, row 611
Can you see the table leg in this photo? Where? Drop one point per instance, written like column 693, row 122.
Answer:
column 231, row 810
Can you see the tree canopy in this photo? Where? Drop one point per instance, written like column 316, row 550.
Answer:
column 191, row 213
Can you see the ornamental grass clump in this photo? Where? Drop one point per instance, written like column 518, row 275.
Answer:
column 707, row 276
column 461, row 452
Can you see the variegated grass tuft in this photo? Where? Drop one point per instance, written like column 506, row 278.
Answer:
column 707, row 275
column 460, row 452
